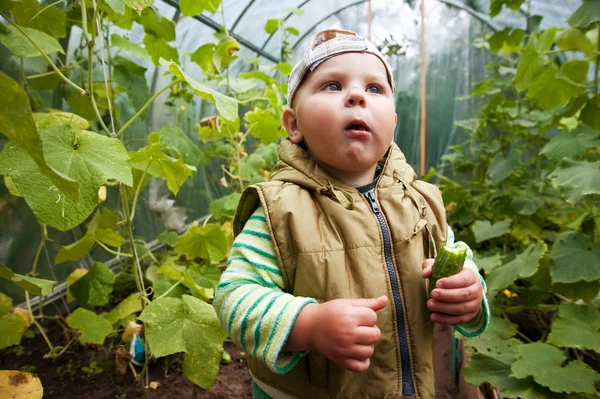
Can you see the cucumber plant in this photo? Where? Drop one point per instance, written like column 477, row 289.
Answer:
column 66, row 153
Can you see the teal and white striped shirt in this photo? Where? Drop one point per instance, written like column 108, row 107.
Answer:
column 256, row 311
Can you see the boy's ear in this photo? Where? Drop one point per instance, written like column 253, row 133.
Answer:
column 290, row 122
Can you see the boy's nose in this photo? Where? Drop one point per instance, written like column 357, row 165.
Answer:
column 356, row 97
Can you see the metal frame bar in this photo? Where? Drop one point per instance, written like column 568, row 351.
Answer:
column 216, row 26
column 483, row 18
column 238, row 19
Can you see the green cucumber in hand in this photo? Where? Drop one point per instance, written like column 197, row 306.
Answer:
column 448, row 262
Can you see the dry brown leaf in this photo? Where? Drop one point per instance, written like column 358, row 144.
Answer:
column 122, row 359
column 19, row 385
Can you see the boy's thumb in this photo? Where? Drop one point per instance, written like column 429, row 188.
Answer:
column 372, row 303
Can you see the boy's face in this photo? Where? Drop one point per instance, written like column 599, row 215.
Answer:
column 344, row 111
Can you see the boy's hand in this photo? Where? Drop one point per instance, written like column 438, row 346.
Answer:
column 345, row 331
column 455, row 299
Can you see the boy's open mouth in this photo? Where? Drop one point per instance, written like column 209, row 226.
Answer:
column 358, row 125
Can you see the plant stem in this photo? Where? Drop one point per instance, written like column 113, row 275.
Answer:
column 107, row 249
column 597, row 69
column 139, row 278
column 37, row 257
column 137, row 191
column 52, row 65
column 35, row 321
column 252, row 99
column 169, row 290
column 145, row 107
column 90, row 46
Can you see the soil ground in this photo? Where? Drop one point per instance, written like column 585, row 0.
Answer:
column 90, row 372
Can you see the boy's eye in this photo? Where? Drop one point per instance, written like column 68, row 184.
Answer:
column 373, row 89
column 332, row 87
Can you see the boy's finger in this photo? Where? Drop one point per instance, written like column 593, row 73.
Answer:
column 454, row 308
column 371, row 303
column 427, row 263
column 427, row 272
column 365, row 317
column 367, row 335
column 465, row 278
column 457, row 295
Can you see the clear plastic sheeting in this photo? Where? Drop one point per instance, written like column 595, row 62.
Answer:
column 453, row 67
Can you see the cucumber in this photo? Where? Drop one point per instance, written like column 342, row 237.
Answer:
column 449, row 261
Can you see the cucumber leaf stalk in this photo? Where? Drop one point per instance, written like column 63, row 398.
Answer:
column 448, row 262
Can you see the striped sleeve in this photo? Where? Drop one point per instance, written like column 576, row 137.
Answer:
column 482, row 320
column 250, row 301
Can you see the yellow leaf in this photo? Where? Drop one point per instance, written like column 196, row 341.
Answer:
column 19, row 385
column 24, row 313
column 154, row 384
column 74, row 276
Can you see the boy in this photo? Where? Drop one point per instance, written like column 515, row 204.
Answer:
column 325, row 288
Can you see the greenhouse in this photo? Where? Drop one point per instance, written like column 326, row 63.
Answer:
column 198, row 200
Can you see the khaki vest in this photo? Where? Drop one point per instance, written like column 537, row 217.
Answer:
column 329, row 244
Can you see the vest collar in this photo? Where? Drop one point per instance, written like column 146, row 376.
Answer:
column 296, row 166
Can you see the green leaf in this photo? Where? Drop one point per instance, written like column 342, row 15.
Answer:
column 577, row 179
column 159, row 49
column 173, row 170
column 205, row 276
column 576, row 327
column 93, row 328
column 225, row 53
column 496, row 6
column 135, row 86
column 242, row 85
column 16, row 123
column 524, row 265
column 87, row 157
column 94, row 288
column 575, row 257
column 186, row 325
column 285, row 68
column 5, row 304
column 223, row 209
column 126, row 45
column 489, row 262
column 52, row 20
column 75, row 251
column 584, row 290
column 502, row 167
column 138, row 5
column 36, row 286
column 575, row 39
column 543, row 362
column 293, row 31
column 203, row 56
column 263, row 125
column 533, row 59
column 117, row 6
column 195, row 7
column 100, row 228
column 273, row 24
column 584, row 16
column 10, row 185
column 21, row 46
column 206, row 242
column 549, row 91
column 157, row 25
column 227, row 106
column 526, row 206
column 484, row 230
column 162, row 286
column 168, row 237
column 12, row 326
column 571, row 144
column 175, row 138
column 59, row 118
column 131, row 304
column 507, row 40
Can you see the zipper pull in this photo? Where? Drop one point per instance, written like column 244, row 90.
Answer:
column 372, row 201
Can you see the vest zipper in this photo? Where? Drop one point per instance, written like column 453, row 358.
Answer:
column 408, row 387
